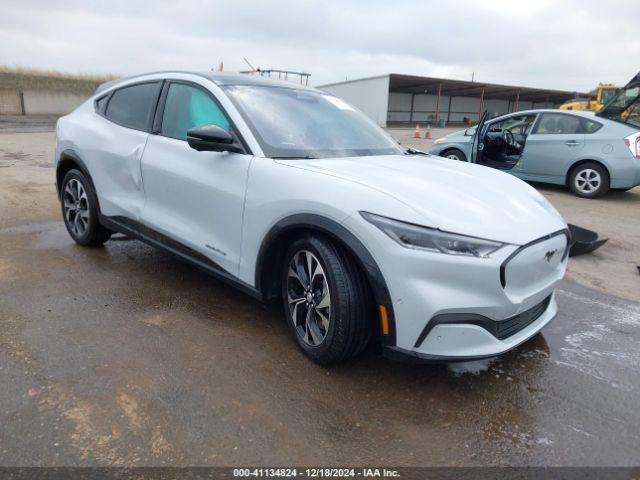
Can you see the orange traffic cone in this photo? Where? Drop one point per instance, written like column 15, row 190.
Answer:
column 416, row 134
column 427, row 132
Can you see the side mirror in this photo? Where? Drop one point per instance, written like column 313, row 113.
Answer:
column 470, row 132
column 212, row 138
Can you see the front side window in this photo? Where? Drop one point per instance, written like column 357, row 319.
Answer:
column 186, row 107
column 292, row 123
column 519, row 124
column 133, row 106
column 558, row 124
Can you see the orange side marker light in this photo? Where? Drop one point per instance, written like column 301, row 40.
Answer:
column 384, row 320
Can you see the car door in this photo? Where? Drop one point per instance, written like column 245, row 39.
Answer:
column 555, row 142
column 116, row 153
column 477, row 140
column 196, row 198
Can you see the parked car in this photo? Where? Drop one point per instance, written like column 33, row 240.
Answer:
column 291, row 194
column 589, row 152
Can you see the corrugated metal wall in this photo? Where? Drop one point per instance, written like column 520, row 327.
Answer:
column 370, row 95
column 452, row 109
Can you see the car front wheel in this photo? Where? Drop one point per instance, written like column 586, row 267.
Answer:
column 80, row 210
column 325, row 300
column 455, row 154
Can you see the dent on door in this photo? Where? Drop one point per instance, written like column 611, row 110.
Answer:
column 117, row 172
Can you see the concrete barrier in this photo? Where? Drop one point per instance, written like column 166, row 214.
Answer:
column 47, row 102
column 24, row 93
column 10, row 103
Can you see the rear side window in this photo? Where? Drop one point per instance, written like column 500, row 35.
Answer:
column 188, row 107
column 591, row 127
column 133, row 106
column 558, row 124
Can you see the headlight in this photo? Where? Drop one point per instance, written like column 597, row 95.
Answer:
column 424, row 238
column 439, row 141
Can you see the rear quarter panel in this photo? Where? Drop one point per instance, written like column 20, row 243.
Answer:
column 110, row 153
column 607, row 147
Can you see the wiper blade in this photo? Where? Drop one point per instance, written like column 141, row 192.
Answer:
column 413, row 151
column 296, row 157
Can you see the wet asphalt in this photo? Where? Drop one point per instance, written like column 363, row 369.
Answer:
column 126, row 355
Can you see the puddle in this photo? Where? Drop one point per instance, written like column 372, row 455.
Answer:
column 474, row 368
column 45, row 236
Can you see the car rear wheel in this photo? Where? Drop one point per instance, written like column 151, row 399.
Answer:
column 80, row 210
column 589, row 180
column 455, row 154
column 325, row 300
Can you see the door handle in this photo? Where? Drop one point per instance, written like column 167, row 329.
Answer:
column 571, row 143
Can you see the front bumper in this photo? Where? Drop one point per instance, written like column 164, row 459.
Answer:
column 463, row 342
column 432, row 294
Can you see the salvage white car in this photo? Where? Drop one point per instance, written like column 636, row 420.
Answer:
column 293, row 195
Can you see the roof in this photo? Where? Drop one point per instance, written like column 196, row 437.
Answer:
column 461, row 88
column 219, row 78
column 579, row 113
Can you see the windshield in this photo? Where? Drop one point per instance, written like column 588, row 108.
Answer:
column 291, row 123
column 608, row 94
column 625, row 108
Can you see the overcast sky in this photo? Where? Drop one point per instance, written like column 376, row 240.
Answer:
column 563, row 44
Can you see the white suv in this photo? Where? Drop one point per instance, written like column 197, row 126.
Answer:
column 292, row 194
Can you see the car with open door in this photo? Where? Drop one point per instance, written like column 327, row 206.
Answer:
column 590, row 153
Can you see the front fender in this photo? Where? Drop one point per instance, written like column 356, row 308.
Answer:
column 342, row 236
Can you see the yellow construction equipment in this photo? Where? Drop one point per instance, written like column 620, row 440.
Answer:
column 597, row 99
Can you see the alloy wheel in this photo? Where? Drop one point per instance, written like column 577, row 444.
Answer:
column 76, row 207
column 308, row 297
column 453, row 156
column 588, row 181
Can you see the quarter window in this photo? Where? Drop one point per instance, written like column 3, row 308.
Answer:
column 187, row 107
column 558, row 124
column 591, row 127
column 100, row 103
column 133, row 106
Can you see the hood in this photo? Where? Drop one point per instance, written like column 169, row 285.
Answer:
column 450, row 195
column 459, row 135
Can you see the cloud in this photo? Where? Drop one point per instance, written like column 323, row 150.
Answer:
column 567, row 45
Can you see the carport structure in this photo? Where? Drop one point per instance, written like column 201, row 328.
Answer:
column 410, row 99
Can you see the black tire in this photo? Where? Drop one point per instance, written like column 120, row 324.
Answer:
column 93, row 234
column 587, row 190
column 349, row 328
column 454, row 152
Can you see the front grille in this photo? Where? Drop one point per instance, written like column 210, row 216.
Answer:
column 511, row 326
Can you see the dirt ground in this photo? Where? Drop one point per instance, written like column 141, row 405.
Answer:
column 124, row 355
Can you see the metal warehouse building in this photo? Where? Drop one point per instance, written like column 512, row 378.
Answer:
column 407, row 99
